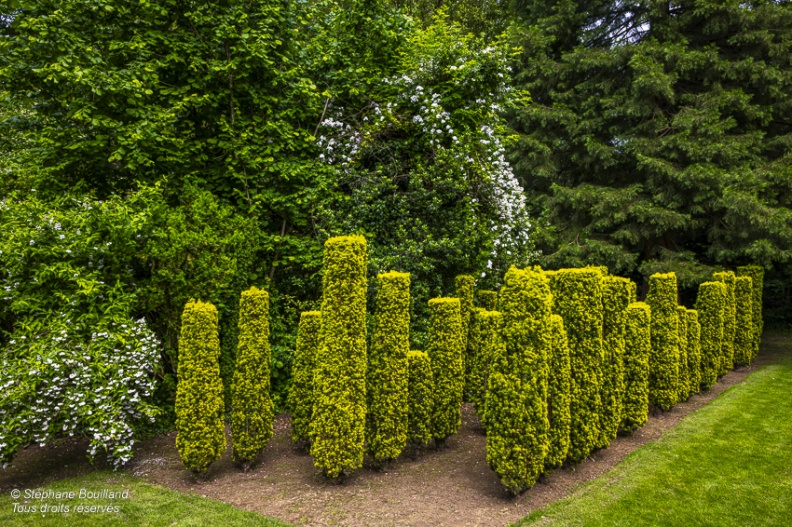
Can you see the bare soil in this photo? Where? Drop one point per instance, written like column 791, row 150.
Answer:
column 452, row 486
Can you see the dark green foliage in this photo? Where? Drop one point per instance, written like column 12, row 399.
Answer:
column 744, row 324
column 617, row 294
column 684, row 364
column 694, row 352
column 386, row 415
column 489, row 350
column 421, row 399
column 756, row 273
column 339, row 412
column 301, row 394
column 711, row 305
column 445, row 353
column 200, row 432
column 487, row 299
column 664, row 360
column 577, row 297
column 465, row 292
column 638, row 348
column 729, row 321
column 252, row 412
column 558, row 395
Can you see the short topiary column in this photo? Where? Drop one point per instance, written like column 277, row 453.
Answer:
column 757, row 276
column 729, row 321
column 445, row 354
column 664, row 383
column 489, row 349
column 301, row 394
column 421, row 399
column 694, row 352
column 558, row 395
column 744, row 326
column 637, row 349
column 487, row 299
column 711, row 305
column 683, row 384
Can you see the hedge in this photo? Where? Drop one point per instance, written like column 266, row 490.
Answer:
column 577, row 295
column 637, row 350
column 445, row 354
column 729, row 320
column 252, row 411
column 757, row 275
column 465, row 292
column 558, row 395
column 339, row 413
column 682, row 387
column 711, row 304
column 301, row 394
column 664, row 364
column 617, row 294
column 472, row 351
column 487, row 299
column 744, row 326
column 200, row 431
column 694, row 352
column 420, row 400
column 386, row 419
column 516, row 400
column 490, row 349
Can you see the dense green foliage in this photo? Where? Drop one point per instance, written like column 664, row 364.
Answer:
column 200, row 430
column 684, row 364
column 664, row 363
column 445, row 355
column 729, row 321
column 516, row 399
column 638, row 349
column 711, row 306
column 693, row 352
column 387, row 376
column 577, row 297
column 252, row 412
column 338, row 422
column 559, row 387
column 489, row 350
column 464, row 286
column 421, row 399
column 744, row 324
column 301, row 394
column 487, row 299
column 757, row 276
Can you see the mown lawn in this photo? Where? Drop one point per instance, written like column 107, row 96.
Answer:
column 729, row 464
column 147, row 506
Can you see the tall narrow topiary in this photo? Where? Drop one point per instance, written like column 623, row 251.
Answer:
column 744, row 326
column 200, row 434
column 386, row 419
column 558, row 395
column 472, row 352
column 757, row 276
column 617, row 294
column 694, row 352
column 339, row 411
column 301, row 394
column 487, row 299
column 465, row 292
column 516, row 401
column 729, row 319
column 490, row 350
column 252, row 411
column 710, row 305
column 577, row 297
column 421, row 399
column 445, row 354
column 682, row 333
column 664, row 359
column 637, row 349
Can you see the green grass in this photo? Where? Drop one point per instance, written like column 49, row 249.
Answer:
column 728, row 464
column 147, row 506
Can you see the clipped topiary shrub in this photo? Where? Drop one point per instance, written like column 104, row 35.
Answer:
column 472, row 351
column 200, row 433
column 729, row 319
column 487, row 299
column 664, row 359
column 637, row 349
column 711, row 305
column 577, row 296
column 744, row 325
column 516, row 400
column 558, row 395
column 445, row 354
column 465, row 292
column 757, row 275
column 682, row 332
column 252, row 412
column 386, row 419
column 301, row 394
column 694, row 352
column 490, row 350
column 617, row 294
column 421, row 399
column 339, row 411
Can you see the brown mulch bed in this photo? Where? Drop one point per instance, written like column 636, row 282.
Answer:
column 448, row 487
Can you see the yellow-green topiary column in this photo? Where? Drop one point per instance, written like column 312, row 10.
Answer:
column 516, row 400
column 682, row 386
column 664, row 359
column 490, row 349
column 559, row 389
column 487, row 299
column 200, row 433
column 472, row 352
column 421, row 399
column 744, row 326
column 301, row 394
column 386, row 420
column 445, row 354
column 252, row 411
column 339, row 411
column 729, row 320
column 757, row 276
column 711, row 305
column 465, row 292
column 694, row 352
column 637, row 349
